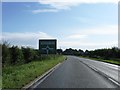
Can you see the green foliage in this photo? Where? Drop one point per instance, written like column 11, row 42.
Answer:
column 27, row 52
column 16, row 55
column 111, row 55
column 5, row 53
column 105, row 54
column 71, row 51
column 21, row 65
column 59, row 51
column 19, row 75
column 30, row 54
column 112, row 61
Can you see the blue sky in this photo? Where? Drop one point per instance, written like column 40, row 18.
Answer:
column 84, row 25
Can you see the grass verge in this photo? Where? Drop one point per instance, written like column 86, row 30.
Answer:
column 112, row 61
column 18, row 76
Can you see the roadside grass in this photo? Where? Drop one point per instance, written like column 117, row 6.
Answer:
column 112, row 61
column 19, row 76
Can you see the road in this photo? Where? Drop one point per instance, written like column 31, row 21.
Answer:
column 110, row 70
column 74, row 73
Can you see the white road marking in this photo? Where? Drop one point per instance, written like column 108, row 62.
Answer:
column 114, row 81
column 42, row 80
column 38, row 83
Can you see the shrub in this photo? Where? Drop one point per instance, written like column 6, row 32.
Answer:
column 5, row 53
column 16, row 55
column 28, row 54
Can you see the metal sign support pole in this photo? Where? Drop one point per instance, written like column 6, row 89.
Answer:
column 47, row 52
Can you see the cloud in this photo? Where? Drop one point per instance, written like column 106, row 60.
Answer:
column 25, row 38
column 84, row 43
column 79, row 39
column 64, row 4
column 57, row 5
column 44, row 10
column 77, row 1
column 104, row 30
column 76, row 36
column 80, row 1
column 78, row 44
column 25, row 35
column 92, row 38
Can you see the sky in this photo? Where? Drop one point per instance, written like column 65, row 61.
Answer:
column 78, row 24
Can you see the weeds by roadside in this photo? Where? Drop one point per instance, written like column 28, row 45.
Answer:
column 19, row 75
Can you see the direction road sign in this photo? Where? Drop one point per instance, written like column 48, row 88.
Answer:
column 47, row 46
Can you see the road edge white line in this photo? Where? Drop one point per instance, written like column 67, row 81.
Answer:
column 114, row 81
column 45, row 75
column 103, row 74
column 39, row 82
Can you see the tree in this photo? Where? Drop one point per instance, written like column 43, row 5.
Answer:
column 28, row 54
column 71, row 51
column 5, row 53
column 59, row 51
column 81, row 52
column 16, row 55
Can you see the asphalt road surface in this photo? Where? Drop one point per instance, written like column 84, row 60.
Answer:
column 110, row 70
column 73, row 73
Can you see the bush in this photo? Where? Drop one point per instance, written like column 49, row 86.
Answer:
column 5, row 53
column 30, row 54
column 16, row 55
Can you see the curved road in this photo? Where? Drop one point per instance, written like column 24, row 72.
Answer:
column 72, row 73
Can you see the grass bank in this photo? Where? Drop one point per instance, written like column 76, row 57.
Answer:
column 18, row 76
column 112, row 61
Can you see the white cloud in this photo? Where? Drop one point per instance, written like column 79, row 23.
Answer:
column 79, row 39
column 56, row 5
column 87, row 38
column 25, row 38
column 84, row 43
column 76, row 36
column 25, row 35
column 44, row 10
column 80, row 1
column 78, row 44
column 59, row 4
column 66, row 4
column 104, row 30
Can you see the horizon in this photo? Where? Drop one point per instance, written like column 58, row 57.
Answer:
column 78, row 25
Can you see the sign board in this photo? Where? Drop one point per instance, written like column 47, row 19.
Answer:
column 47, row 46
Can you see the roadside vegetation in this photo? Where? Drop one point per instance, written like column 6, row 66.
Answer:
column 19, row 75
column 109, row 55
column 22, row 65
column 112, row 61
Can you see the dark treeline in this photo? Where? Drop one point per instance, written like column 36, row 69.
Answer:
column 14, row 55
column 110, row 53
column 71, row 51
